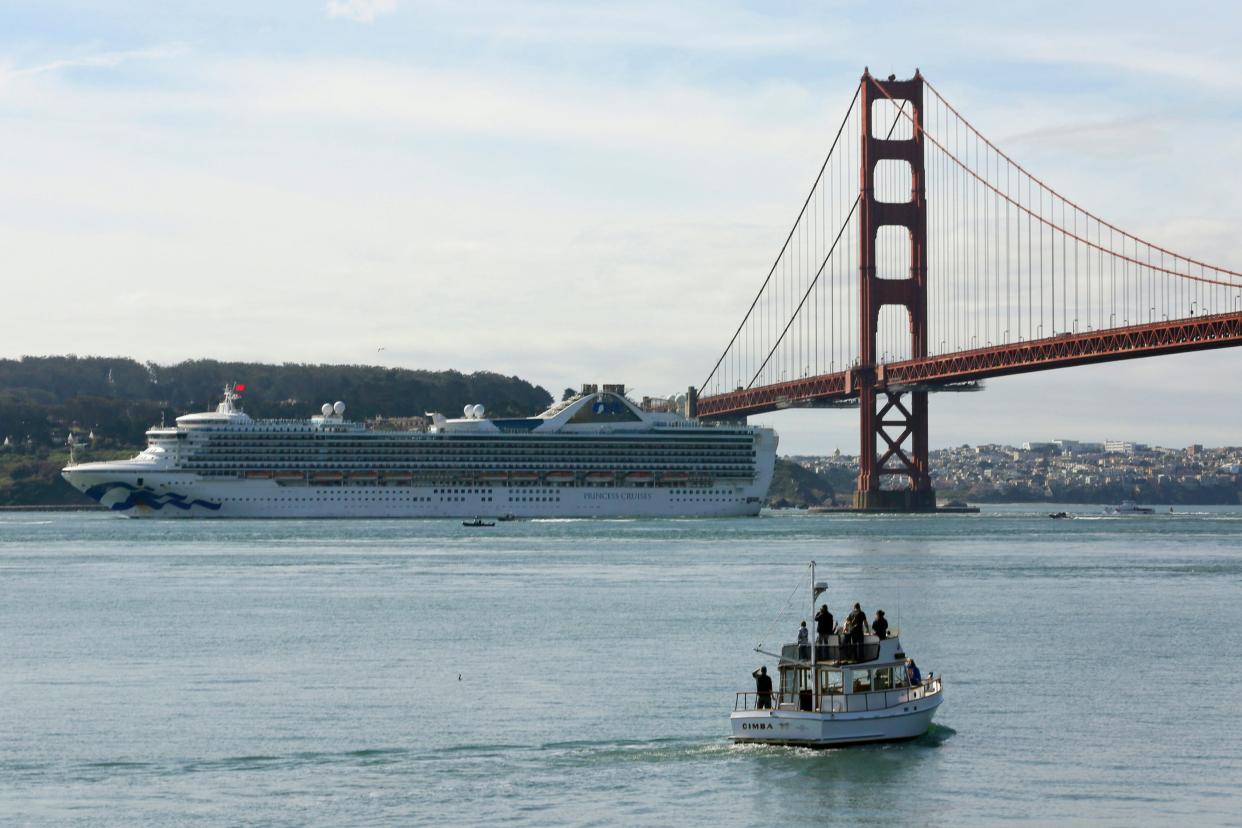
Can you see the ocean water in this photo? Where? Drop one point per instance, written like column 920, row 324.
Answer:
column 582, row 673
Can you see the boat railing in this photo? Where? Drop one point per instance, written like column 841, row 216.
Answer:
column 839, row 702
column 836, row 650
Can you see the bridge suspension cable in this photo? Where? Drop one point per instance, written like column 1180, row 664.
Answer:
column 820, row 330
column 1011, row 259
column 817, row 201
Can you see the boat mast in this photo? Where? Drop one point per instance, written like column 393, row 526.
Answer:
column 814, row 643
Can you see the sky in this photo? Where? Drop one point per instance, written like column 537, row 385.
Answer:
column 568, row 192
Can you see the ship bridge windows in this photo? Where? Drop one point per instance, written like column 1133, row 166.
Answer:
column 605, row 408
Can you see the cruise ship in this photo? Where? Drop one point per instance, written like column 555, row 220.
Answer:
column 596, row 455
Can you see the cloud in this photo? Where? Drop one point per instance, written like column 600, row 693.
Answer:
column 1147, row 53
column 99, row 60
column 361, row 11
column 686, row 27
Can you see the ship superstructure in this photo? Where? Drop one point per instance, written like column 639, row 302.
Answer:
column 596, row 455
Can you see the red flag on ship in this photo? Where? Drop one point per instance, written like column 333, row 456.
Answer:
column 239, row 388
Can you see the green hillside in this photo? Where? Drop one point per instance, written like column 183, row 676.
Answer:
column 795, row 486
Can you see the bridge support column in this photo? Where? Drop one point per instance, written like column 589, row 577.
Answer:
column 893, row 421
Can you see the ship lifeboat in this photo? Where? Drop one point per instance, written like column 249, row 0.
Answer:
column 289, row 475
column 639, row 477
column 494, row 475
column 559, row 476
column 327, row 476
column 523, row 475
column 600, row 477
column 674, row 477
column 363, row 475
column 258, row 475
column 398, row 475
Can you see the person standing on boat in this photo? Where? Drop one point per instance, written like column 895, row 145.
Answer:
column 804, row 642
column 824, row 623
column 912, row 669
column 856, row 627
column 763, row 689
column 880, row 625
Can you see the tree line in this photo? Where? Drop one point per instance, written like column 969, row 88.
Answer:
column 119, row 398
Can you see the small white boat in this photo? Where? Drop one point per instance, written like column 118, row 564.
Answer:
column 836, row 693
column 1128, row 507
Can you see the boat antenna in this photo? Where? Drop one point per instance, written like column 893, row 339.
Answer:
column 780, row 613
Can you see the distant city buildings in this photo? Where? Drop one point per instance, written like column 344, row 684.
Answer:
column 1072, row 471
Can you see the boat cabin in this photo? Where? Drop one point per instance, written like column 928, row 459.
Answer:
column 836, row 675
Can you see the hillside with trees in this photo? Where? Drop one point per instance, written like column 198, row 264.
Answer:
column 795, row 486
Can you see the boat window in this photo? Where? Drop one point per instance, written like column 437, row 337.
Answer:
column 832, row 682
column 899, row 676
column 860, row 681
column 882, row 678
column 794, row 679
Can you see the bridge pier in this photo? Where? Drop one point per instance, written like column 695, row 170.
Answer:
column 899, row 420
column 893, row 431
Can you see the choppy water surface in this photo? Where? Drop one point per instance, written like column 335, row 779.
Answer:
column 307, row 672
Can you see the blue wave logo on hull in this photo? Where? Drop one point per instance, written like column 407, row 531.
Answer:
column 146, row 497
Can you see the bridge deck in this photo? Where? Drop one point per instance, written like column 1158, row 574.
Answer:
column 1153, row 339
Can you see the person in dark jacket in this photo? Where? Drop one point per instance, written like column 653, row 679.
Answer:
column 824, row 623
column 880, row 625
column 856, row 628
column 856, row 622
column 913, row 671
column 763, row 689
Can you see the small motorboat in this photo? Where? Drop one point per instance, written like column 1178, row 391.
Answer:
column 1058, row 515
column 507, row 518
column 1129, row 507
column 477, row 523
column 836, row 692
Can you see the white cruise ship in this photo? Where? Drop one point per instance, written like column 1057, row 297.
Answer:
column 596, row 455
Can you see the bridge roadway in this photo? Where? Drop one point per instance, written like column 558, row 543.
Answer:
column 1196, row 333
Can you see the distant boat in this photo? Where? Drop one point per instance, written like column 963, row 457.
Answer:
column 1058, row 515
column 476, row 523
column 1129, row 507
column 508, row 517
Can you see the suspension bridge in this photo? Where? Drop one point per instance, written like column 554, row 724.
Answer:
column 925, row 259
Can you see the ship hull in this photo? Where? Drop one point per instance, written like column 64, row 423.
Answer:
column 814, row 729
column 177, row 494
